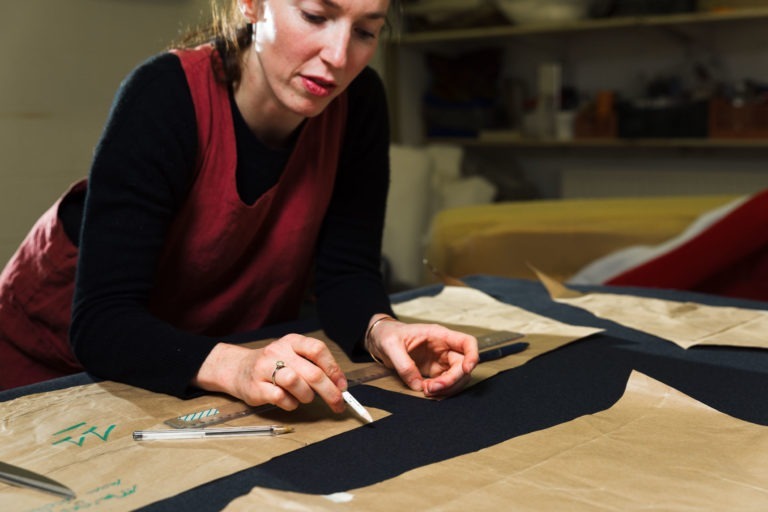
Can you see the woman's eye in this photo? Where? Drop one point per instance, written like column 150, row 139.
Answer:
column 365, row 34
column 315, row 19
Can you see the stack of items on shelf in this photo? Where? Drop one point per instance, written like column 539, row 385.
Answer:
column 544, row 11
column 522, row 12
column 729, row 112
column 669, row 108
column 641, row 7
column 422, row 15
column 468, row 95
column 741, row 113
column 728, row 5
column 462, row 98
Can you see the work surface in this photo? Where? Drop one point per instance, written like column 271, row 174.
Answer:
column 582, row 378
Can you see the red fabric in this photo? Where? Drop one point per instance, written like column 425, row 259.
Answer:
column 729, row 258
column 228, row 266
column 36, row 289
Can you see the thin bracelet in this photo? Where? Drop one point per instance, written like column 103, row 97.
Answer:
column 367, row 337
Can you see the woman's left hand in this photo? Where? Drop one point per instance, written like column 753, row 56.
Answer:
column 428, row 357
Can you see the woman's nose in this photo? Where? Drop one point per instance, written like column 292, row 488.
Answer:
column 336, row 46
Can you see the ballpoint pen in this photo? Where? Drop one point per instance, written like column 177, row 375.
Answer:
column 497, row 353
column 202, row 433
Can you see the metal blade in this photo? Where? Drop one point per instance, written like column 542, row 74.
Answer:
column 15, row 475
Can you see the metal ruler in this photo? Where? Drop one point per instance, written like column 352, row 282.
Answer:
column 496, row 339
column 224, row 413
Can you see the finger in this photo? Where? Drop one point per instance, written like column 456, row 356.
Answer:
column 283, row 399
column 265, row 392
column 406, row 368
column 314, row 371
column 297, row 376
column 448, row 382
column 290, row 380
column 436, row 388
column 318, row 353
column 318, row 383
column 466, row 345
column 471, row 355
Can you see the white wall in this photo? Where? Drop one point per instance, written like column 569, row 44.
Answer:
column 61, row 64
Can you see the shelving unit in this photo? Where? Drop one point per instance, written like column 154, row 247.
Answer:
column 668, row 143
column 507, row 31
column 407, row 48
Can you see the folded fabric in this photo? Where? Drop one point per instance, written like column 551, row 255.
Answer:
column 603, row 269
column 728, row 257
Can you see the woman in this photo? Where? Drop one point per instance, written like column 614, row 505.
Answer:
column 229, row 176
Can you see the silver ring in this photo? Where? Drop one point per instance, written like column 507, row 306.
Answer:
column 278, row 365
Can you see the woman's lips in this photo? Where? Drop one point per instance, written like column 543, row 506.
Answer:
column 318, row 86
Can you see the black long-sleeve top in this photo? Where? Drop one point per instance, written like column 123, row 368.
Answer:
column 142, row 170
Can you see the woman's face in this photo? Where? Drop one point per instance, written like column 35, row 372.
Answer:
column 308, row 51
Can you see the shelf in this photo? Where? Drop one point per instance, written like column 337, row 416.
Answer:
column 670, row 143
column 479, row 33
column 408, row 47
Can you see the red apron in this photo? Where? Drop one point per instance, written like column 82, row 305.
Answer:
column 226, row 266
column 36, row 289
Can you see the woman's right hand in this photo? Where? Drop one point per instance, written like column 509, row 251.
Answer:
column 302, row 367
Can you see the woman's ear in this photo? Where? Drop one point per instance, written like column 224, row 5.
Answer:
column 251, row 9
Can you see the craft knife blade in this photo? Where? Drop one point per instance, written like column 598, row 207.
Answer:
column 15, row 475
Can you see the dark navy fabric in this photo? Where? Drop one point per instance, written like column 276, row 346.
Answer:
column 581, row 378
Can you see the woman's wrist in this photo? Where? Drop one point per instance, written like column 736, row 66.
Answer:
column 368, row 340
column 215, row 374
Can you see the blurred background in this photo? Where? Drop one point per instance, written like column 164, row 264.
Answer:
column 492, row 101
column 62, row 64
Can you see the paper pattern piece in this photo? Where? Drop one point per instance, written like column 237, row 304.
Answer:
column 473, row 311
column 655, row 449
column 82, row 437
column 686, row 324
